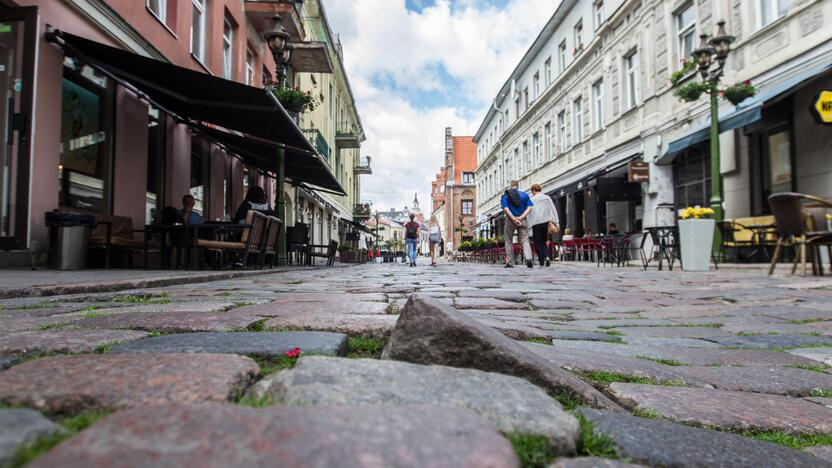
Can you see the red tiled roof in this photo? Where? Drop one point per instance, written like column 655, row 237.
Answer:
column 465, row 156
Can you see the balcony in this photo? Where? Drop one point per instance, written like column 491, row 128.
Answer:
column 362, row 210
column 310, row 57
column 347, row 136
column 261, row 12
column 317, row 140
column 362, row 166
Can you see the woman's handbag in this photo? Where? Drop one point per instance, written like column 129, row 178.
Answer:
column 553, row 228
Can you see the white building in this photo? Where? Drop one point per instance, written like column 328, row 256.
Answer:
column 592, row 94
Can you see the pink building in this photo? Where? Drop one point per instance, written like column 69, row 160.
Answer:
column 79, row 138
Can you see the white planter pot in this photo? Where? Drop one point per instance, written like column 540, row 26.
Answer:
column 696, row 239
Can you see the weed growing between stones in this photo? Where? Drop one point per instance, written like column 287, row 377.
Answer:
column 646, row 413
column 567, row 399
column 269, row 366
column 72, row 425
column 592, row 443
column 787, row 348
column 257, row 326
column 239, row 304
column 39, row 305
column 546, row 341
column 604, row 378
column 364, row 347
column 795, row 441
column 162, row 298
column 811, row 367
column 393, row 309
column 614, row 333
column 51, row 326
column 804, row 321
column 667, row 362
column 532, row 450
column 254, row 402
column 104, row 347
column 223, row 294
column 90, row 312
column 821, row 393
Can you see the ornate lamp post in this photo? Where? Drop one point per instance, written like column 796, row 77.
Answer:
column 710, row 59
column 278, row 41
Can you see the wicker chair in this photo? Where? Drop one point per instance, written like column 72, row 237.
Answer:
column 252, row 240
column 795, row 229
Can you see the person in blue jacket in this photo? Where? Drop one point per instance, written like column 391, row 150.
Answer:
column 517, row 205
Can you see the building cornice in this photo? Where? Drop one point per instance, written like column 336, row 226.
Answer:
column 115, row 26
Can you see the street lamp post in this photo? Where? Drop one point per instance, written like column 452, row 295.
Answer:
column 710, row 59
column 278, row 41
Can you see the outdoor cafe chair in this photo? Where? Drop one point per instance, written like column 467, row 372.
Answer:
column 252, row 239
column 729, row 229
column 795, row 229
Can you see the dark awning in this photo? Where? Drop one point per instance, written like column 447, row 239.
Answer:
column 360, row 227
column 301, row 166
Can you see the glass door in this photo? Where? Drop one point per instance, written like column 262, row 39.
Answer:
column 17, row 36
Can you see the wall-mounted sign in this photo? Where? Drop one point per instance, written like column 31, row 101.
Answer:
column 823, row 106
column 638, row 171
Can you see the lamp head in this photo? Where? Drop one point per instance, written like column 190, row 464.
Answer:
column 704, row 54
column 278, row 38
column 721, row 42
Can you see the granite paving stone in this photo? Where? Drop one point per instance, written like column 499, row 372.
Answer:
column 675, row 332
column 69, row 384
column 330, row 297
column 775, row 380
column 62, row 341
column 555, row 304
column 821, row 451
column 512, row 403
column 265, row 344
column 514, row 296
column 726, row 410
column 823, row 355
column 19, row 427
column 341, row 307
column 350, row 324
column 656, row 442
column 227, row 436
column 771, row 341
column 583, row 335
column 487, row 303
column 827, row 402
column 591, row 462
column 167, row 322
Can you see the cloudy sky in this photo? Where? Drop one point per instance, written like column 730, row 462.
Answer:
column 418, row 66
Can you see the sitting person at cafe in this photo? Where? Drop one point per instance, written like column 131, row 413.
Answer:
column 613, row 230
column 567, row 235
column 255, row 200
column 189, row 216
column 588, row 233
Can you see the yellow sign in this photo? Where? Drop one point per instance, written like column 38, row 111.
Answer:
column 824, row 106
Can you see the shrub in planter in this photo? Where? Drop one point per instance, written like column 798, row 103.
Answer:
column 295, row 100
column 739, row 92
column 691, row 91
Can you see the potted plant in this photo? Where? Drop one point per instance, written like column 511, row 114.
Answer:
column 739, row 92
column 829, row 221
column 295, row 100
column 696, row 238
column 347, row 255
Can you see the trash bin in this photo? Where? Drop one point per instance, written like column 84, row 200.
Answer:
column 69, row 235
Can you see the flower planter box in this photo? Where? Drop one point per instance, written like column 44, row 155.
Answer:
column 696, row 240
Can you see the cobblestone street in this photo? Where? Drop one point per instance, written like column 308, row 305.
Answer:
column 659, row 355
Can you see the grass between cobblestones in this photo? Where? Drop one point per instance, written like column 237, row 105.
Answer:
column 365, row 347
column 604, row 378
column 71, row 425
column 811, row 367
column 546, row 341
column 269, row 366
column 593, row 443
column 162, row 298
column 795, row 441
column 532, row 450
column 667, row 362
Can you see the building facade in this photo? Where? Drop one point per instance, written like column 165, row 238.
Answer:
column 592, row 96
column 454, row 190
column 109, row 150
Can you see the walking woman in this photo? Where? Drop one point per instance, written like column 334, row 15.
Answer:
column 434, row 239
column 544, row 220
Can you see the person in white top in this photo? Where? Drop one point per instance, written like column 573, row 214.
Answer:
column 434, row 239
column 543, row 214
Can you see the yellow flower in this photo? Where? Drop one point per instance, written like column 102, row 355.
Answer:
column 829, row 216
column 697, row 212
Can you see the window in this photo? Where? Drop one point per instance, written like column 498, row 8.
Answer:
column 249, row 67
column 199, row 174
column 562, row 56
column 536, row 149
column 227, row 49
column 515, row 169
column 467, row 177
column 547, row 140
column 525, row 99
column 597, row 14
column 527, row 158
column 547, row 71
column 631, row 80
column 562, row 132
column 578, row 120
column 598, row 105
column 506, row 173
column 267, row 77
column 156, row 132
column 578, row 35
column 772, row 10
column 685, row 20
column 517, row 108
column 536, row 85
column 159, row 8
column 198, row 30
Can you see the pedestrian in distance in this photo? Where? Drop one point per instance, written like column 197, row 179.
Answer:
column 517, row 205
column 434, row 239
column 411, row 238
column 544, row 221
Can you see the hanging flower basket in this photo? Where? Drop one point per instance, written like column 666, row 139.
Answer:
column 739, row 92
column 295, row 100
column 691, row 91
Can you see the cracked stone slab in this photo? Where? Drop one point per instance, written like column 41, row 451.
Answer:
column 429, row 332
column 823, row 355
column 775, row 380
column 656, row 442
column 222, row 436
column 62, row 341
column 340, row 306
column 69, row 384
column 179, row 322
column 19, row 427
column 726, row 410
column 265, row 344
column 512, row 403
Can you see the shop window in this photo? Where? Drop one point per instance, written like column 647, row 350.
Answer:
column 199, row 174
column 156, row 134
column 692, row 178
column 774, row 171
column 86, row 136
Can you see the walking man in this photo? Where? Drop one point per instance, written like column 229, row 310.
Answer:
column 517, row 205
column 411, row 238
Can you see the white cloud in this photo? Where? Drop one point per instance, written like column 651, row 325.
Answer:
column 476, row 43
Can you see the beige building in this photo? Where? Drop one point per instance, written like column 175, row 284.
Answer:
column 592, row 94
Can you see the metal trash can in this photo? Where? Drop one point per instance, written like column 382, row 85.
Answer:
column 69, row 236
